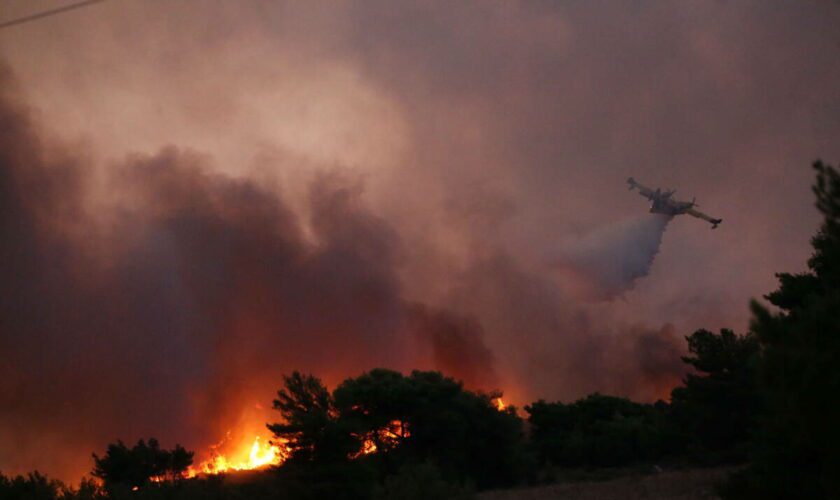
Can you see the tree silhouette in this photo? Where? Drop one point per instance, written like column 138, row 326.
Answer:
column 124, row 467
column 310, row 424
column 377, row 407
column 429, row 417
column 35, row 486
column 414, row 419
column 599, row 431
column 718, row 406
column 798, row 449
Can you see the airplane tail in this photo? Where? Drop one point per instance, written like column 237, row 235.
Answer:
column 715, row 222
column 632, row 183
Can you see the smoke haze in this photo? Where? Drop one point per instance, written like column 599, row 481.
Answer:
column 196, row 201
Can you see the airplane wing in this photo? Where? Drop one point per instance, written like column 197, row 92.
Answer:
column 701, row 215
column 644, row 191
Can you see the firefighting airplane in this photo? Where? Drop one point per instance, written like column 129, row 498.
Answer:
column 662, row 203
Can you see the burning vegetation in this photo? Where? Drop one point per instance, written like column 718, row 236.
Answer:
column 249, row 456
column 382, row 427
column 169, row 286
column 500, row 404
column 262, row 453
column 377, row 418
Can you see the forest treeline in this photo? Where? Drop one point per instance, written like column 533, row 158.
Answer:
column 765, row 399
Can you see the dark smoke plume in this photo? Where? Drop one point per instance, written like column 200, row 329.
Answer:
column 174, row 310
column 457, row 345
column 186, row 301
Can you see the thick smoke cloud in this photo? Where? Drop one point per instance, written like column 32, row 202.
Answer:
column 191, row 298
column 195, row 201
column 570, row 348
column 457, row 345
column 188, row 303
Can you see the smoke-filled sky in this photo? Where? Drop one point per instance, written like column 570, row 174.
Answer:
column 197, row 197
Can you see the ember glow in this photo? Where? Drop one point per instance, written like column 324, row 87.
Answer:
column 499, row 403
column 368, row 447
column 386, row 438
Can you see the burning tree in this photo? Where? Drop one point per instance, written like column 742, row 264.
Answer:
column 377, row 407
column 310, row 428
column 388, row 419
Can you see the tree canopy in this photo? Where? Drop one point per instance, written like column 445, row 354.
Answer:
column 310, row 424
column 717, row 407
column 134, row 467
column 424, row 417
column 797, row 452
column 599, row 431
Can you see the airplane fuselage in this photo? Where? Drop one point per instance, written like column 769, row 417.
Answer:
column 662, row 203
column 669, row 207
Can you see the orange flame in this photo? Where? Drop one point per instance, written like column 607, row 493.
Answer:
column 257, row 454
column 249, row 456
column 500, row 405
column 389, row 437
column 368, row 447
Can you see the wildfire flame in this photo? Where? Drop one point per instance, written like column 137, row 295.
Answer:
column 252, row 455
column 258, row 454
column 389, row 437
column 368, row 447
